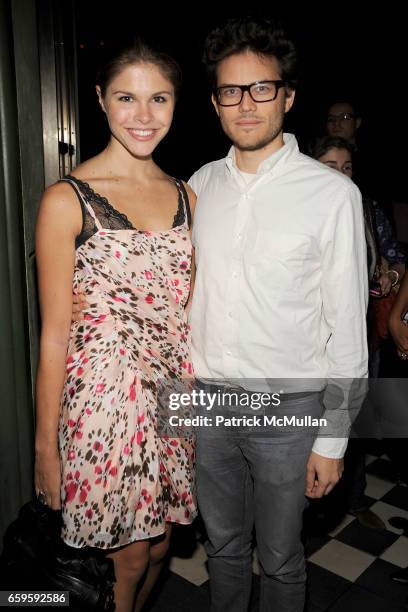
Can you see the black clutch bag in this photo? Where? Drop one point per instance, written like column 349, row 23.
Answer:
column 35, row 558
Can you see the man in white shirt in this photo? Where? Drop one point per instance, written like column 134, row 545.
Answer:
column 280, row 294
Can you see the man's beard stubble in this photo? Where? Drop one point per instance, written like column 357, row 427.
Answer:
column 261, row 143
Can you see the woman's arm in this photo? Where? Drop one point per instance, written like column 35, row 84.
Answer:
column 59, row 222
column 398, row 329
column 389, row 249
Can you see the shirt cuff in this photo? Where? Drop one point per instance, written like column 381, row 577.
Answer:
column 332, row 448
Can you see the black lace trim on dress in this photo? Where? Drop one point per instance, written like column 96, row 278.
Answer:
column 108, row 216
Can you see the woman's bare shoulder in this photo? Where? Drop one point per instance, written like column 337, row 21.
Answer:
column 60, row 205
column 59, row 194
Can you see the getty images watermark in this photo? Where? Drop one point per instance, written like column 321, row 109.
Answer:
column 188, row 404
column 329, row 408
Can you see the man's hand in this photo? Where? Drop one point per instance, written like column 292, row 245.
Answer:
column 322, row 474
column 79, row 304
column 385, row 284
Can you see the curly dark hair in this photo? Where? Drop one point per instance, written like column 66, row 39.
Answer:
column 259, row 35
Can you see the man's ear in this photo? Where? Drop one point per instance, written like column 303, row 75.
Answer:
column 290, row 98
column 100, row 99
column 358, row 123
column 214, row 101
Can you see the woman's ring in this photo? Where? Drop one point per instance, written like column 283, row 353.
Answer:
column 41, row 498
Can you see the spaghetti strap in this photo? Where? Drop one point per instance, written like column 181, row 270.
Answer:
column 186, row 202
column 71, row 180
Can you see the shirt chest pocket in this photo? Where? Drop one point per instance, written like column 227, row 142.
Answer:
column 280, row 259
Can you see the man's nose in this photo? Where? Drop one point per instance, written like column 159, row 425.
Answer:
column 247, row 102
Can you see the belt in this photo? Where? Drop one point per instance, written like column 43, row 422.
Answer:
column 284, row 397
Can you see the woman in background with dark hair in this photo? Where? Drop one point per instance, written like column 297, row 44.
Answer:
column 117, row 231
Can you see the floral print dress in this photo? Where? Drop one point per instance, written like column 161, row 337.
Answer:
column 122, row 480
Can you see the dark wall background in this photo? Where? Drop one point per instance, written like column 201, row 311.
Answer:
column 342, row 55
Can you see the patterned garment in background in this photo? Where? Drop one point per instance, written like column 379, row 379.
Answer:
column 387, row 242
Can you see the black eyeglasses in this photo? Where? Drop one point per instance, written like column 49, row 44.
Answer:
column 260, row 91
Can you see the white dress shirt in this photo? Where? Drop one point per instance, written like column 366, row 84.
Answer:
column 281, row 280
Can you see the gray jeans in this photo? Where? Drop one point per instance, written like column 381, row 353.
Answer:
column 247, row 478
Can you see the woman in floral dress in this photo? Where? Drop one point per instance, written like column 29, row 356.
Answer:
column 117, row 230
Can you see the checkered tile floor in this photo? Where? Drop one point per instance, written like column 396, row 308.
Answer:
column 348, row 568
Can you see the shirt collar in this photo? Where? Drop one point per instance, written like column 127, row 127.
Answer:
column 289, row 148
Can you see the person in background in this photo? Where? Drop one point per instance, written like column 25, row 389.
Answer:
column 337, row 153
column 343, row 121
column 398, row 323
